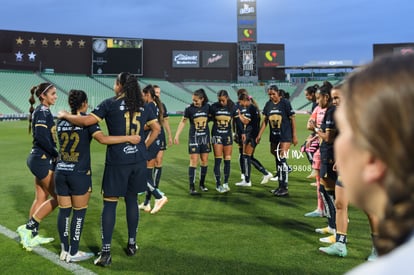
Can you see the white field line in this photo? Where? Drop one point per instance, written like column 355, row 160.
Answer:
column 45, row 253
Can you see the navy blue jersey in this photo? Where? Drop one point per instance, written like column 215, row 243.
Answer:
column 328, row 124
column 252, row 128
column 222, row 117
column 198, row 117
column 74, row 143
column 120, row 123
column 278, row 117
column 44, row 131
column 238, row 124
column 161, row 137
column 155, row 146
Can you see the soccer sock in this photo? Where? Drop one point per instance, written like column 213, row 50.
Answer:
column 203, row 173
column 332, row 209
column 157, row 176
column 321, row 205
column 151, row 190
column 277, row 161
column 241, row 161
column 108, row 223
column 283, row 172
column 63, row 226
column 33, row 225
column 132, row 216
column 217, row 173
column 341, row 237
column 247, row 167
column 256, row 163
column 76, row 229
column 328, row 200
column 150, row 187
column 226, row 170
column 191, row 176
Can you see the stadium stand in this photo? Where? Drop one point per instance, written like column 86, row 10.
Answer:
column 14, row 91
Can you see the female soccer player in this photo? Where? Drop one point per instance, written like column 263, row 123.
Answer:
column 163, row 139
column 239, row 129
column 327, row 134
column 222, row 113
column 198, row 139
column 251, row 124
column 125, row 165
column 155, row 104
column 73, row 175
column 41, row 162
column 278, row 113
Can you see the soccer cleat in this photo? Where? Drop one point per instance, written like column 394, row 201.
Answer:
column 335, row 249
column 159, row 204
column 281, row 192
column 275, row 178
column 266, row 178
column 373, row 256
column 220, row 189
column 315, row 213
column 104, row 259
column 226, row 187
column 313, row 174
column 325, row 230
column 194, row 192
column 131, row 249
column 203, row 188
column 35, row 241
column 145, row 207
column 329, row 239
column 25, row 235
column 79, row 256
column 161, row 193
column 62, row 255
column 244, row 183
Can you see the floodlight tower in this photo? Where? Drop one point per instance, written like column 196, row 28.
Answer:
column 246, row 41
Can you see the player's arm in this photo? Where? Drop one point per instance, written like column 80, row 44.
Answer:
column 262, row 128
column 180, row 128
column 166, row 125
column 83, row 121
column 103, row 139
column 294, row 135
column 155, row 131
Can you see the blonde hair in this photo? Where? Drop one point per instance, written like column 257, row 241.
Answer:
column 379, row 105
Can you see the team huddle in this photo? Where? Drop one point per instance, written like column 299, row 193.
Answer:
column 347, row 148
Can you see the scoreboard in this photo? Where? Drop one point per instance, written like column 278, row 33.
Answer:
column 110, row 56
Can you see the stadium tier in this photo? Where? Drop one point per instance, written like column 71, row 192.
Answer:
column 15, row 87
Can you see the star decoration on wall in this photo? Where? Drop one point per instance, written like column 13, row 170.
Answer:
column 69, row 43
column 57, row 42
column 81, row 43
column 19, row 41
column 19, row 56
column 32, row 56
column 44, row 42
column 32, row 42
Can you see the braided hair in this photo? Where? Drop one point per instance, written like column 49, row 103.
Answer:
column 37, row 91
column 75, row 99
column 379, row 100
column 132, row 91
